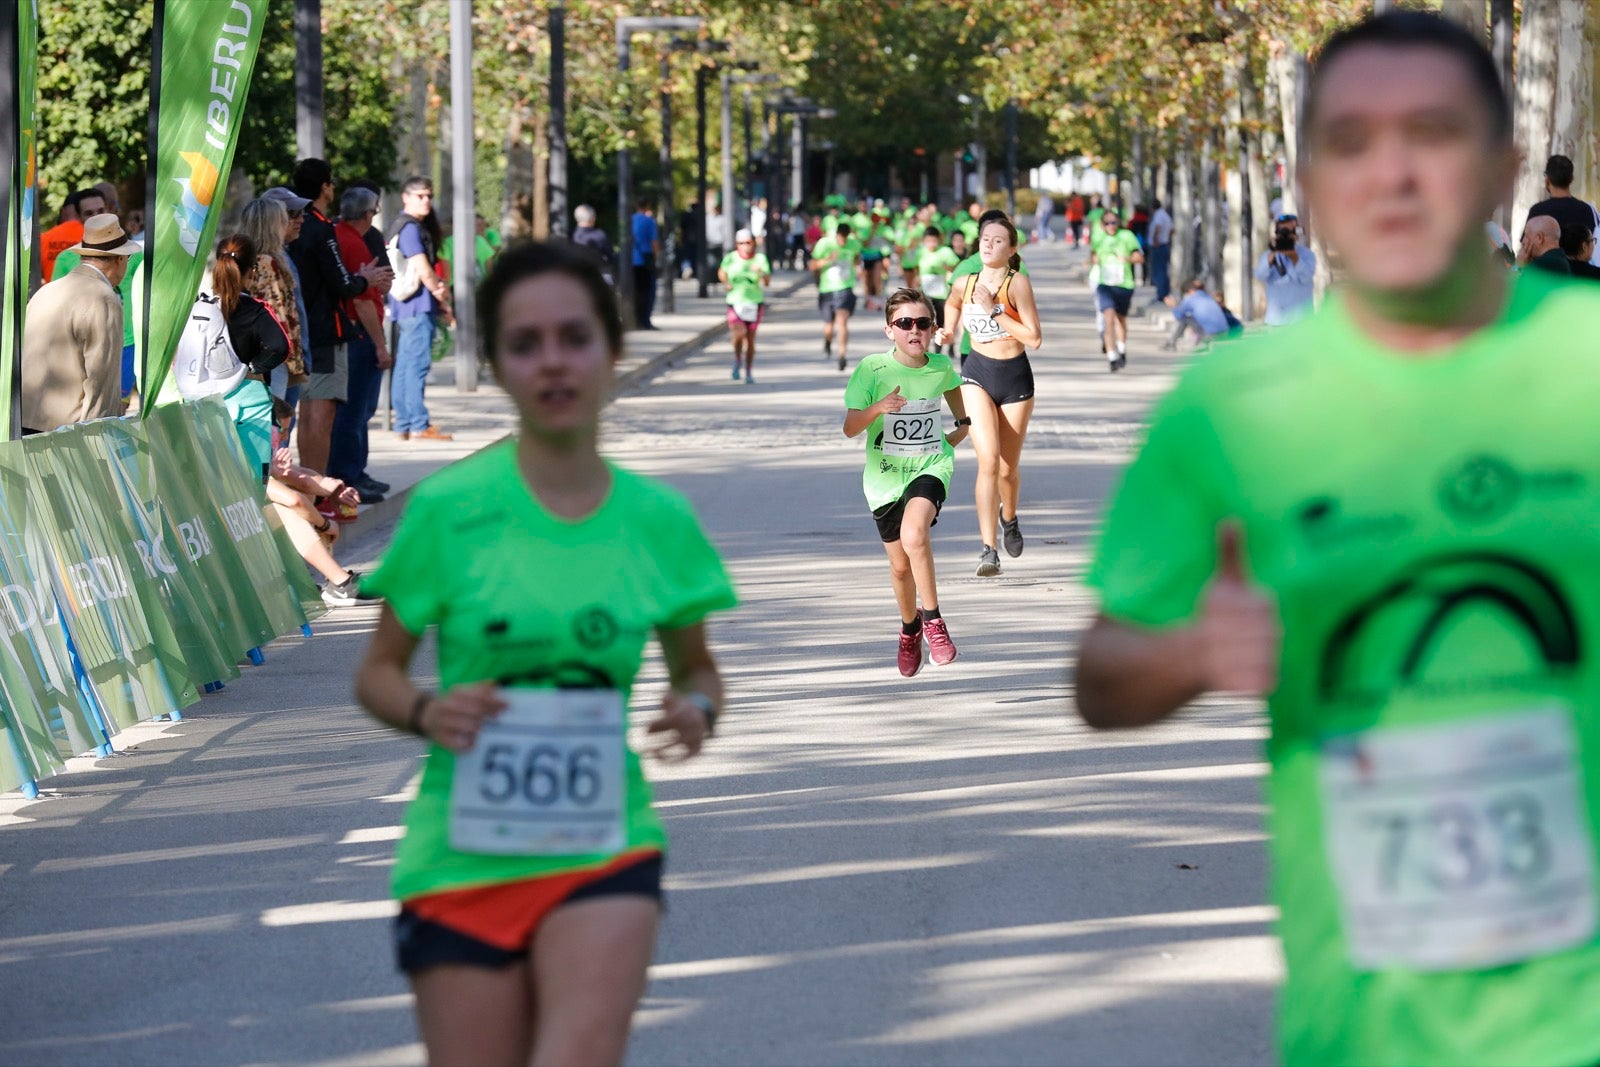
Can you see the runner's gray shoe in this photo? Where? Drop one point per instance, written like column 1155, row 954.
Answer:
column 988, row 563
column 1011, row 537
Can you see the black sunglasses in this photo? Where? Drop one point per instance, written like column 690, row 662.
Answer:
column 921, row 323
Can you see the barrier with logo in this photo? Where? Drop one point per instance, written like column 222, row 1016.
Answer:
column 138, row 564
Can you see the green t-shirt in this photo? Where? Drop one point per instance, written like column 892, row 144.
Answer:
column 841, row 273
column 879, row 239
column 830, row 223
column 969, row 227
column 860, row 222
column 1111, row 252
column 1430, row 529
column 1092, row 220
column 516, row 592
column 933, row 271
column 744, row 277
column 886, row 475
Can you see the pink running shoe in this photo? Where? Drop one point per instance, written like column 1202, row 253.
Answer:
column 941, row 649
column 910, row 657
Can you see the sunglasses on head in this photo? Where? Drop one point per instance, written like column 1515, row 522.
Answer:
column 921, row 322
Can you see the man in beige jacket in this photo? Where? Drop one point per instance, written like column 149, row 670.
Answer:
column 72, row 337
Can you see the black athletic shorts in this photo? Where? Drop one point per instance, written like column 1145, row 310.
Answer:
column 1116, row 298
column 494, row 926
column 888, row 517
column 1007, row 381
column 839, row 300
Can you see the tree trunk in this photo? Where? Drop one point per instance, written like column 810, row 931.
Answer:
column 541, row 175
column 1211, row 223
column 1554, row 97
column 1258, row 187
column 1136, row 191
column 1233, row 264
column 411, row 119
column 1183, row 217
column 1282, row 81
column 519, row 173
column 1473, row 14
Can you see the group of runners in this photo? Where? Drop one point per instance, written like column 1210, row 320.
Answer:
column 1381, row 518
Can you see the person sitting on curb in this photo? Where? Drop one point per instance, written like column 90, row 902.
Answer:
column 1202, row 313
column 292, row 492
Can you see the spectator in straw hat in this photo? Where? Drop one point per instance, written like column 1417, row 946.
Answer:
column 72, row 338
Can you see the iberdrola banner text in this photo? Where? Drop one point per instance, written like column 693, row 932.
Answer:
column 208, row 51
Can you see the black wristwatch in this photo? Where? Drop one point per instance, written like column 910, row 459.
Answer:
column 995, row 312
column 707, row 708
column 963, row 422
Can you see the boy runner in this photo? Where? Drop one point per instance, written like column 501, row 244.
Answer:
column 746, row 273
column 835, row 258
column 1421, row 591
column 895, row 396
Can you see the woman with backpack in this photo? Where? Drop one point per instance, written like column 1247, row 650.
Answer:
column 232, row 343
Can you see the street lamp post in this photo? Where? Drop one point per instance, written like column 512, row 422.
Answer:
column 737, row 214
column 702, row 72
column 558, row 119
column 669, row 272
column 626, row 28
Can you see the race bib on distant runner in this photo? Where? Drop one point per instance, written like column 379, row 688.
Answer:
column 914, row 430
column 936, row 286
column 546, row 778
column 1113, row 270
column 976, row 321
column 1462, row 845
column 836, row 275
column 746, row 312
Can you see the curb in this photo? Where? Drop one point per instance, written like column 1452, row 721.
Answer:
column 374, row 515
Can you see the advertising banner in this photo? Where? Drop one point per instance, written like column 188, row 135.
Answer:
column 275, row 570
column 41, row 706
column 169, row 550
column 124, row 641
column 208, row 52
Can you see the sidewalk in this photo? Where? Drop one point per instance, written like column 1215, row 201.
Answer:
column 480, row 418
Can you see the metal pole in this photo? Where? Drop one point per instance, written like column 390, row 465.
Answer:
column 749, row 161
column 556, row 128
column 703, row 287
column 624, row 200
column 668, row 238
column 461, row 166
column 308, row 121
column 15, row 279
column 730, row 205
column 797, row 161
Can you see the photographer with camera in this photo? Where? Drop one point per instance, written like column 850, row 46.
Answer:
column 1288, row 270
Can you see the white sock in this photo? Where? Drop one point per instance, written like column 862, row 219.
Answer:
column 1122, row 348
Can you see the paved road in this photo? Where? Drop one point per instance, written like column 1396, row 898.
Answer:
column 866, row 870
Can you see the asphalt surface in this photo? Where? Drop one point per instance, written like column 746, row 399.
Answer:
column 865, row 869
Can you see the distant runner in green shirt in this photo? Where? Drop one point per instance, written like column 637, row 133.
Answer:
column 1385, row 518
column 746, row 273
column 834, row 259
column 896, row 398
column 1113, row 252
column 934, row 264
column 529, row 875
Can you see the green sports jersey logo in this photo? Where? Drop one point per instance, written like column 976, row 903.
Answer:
column 1452, row 625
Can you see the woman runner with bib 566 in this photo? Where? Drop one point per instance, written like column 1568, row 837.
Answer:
column 996, row 308
column 745, row 272
column 530, row 870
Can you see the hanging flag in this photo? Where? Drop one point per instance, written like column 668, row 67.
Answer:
column 19, row 51
column 206, row 51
